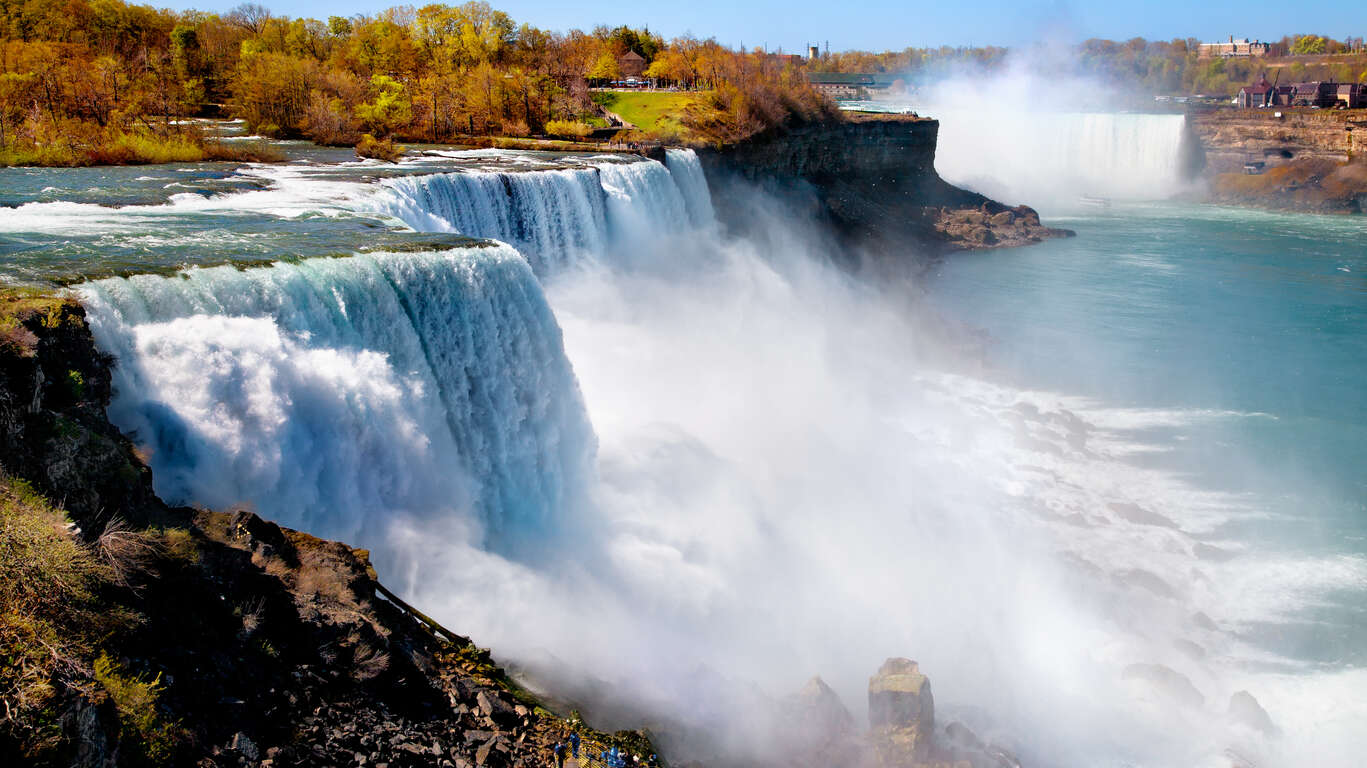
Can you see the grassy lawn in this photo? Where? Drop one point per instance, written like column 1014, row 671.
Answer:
column 650, row 111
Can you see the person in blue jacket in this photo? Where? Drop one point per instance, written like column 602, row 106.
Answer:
column 574, row 745
column 559, row 755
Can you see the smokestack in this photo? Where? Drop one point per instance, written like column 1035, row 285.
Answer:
column 813, row 52
column 1231, row 38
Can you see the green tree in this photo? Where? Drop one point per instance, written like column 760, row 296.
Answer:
column 389, row 109
column 605, row 68
column 1308, row 44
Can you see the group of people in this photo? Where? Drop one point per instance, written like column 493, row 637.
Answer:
column 608, row 758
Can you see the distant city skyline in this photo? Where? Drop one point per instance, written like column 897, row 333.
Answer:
column 886, row 25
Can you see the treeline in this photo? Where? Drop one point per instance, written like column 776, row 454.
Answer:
column 75, row 72
column 1138, row 68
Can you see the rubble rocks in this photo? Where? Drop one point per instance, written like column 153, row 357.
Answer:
column 992, row 225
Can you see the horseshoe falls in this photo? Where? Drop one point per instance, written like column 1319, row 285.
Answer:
column 679, row 470
column 1052, row 160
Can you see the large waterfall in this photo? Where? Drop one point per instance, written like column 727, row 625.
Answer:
column 1051, row 158
column 336, row 393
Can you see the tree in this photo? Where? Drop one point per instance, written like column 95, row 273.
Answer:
column 605, row 68
column 389, row 109
column 1308, row 44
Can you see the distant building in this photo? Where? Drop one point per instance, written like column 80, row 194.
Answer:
column 1235, row 49
column 1352, row 95
column 848, row 86
column 1315, row 94
column 631, row 64
column 787, row 58
column 1260, row 94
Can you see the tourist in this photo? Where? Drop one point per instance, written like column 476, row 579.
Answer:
column 559, row 755
column 574, row 745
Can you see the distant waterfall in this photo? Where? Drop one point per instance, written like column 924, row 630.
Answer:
column 1042, row 158
column 334, row 394
column 556, row 218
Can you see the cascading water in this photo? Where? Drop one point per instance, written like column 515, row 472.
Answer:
column 687, row 173
column 1048, row 158
column 556, row 218
column 335, row 394
column 550, row 216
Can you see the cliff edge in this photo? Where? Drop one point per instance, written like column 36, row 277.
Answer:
column 873, row 179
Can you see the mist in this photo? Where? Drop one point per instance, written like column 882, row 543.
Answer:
column 795, row 477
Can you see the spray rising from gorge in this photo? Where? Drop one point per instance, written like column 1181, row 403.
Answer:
column 680, row 462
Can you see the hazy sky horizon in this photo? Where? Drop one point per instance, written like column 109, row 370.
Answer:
column 886, row 25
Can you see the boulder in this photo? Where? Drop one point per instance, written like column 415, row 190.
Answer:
column 1246, row 710
column 899, row 697
column 1167, row 681
column 901, row 713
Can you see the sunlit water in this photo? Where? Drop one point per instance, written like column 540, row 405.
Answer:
column 745, row 466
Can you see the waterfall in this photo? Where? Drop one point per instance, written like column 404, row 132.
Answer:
column 687, row 172
column 1046, row 158
column 550, row 216
column 336, row 393
column 556, row 218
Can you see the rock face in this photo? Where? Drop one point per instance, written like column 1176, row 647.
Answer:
column 1313, row 161
column 1231, row 137
column 873, row 180
column 54, row 386
column 901, row 713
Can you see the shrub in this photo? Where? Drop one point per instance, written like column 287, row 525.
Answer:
column 378, row 149
column 135, row 698
column 568, row 129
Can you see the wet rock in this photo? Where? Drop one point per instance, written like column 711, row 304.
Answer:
column 1245, row 709
column 1141, row 516
column 901, row 712
column 1169, row 682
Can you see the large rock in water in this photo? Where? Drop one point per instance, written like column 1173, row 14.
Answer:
column 901, row 713
column 899, row 697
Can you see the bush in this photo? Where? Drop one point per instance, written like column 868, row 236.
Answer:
column 135, row 698
column 379, row 149
column 568, row 129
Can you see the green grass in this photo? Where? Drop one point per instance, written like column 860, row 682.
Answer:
column 650, row 111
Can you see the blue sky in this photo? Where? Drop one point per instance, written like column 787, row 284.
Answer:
column 884, row 24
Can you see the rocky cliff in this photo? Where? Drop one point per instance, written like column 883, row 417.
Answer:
column 138, row 634
column 1229, row 138
column 1303, row 160
column 873, row 179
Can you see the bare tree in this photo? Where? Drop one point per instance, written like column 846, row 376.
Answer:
column 249, row 16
